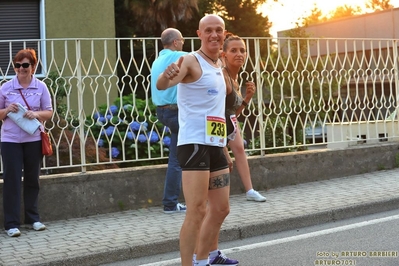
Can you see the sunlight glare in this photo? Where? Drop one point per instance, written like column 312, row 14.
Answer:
column 285, row 13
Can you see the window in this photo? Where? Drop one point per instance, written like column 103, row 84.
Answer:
column 20, row 28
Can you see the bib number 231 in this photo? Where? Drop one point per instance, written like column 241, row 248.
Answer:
column 215, row 130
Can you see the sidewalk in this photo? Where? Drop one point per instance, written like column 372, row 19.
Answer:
column 125, row 235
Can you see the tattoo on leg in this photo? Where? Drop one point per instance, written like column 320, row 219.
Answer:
column 219, row 181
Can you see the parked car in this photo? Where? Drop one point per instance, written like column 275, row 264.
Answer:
column 318, row 132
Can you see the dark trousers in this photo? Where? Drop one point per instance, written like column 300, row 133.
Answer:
column 17, row 157
column 170, row 118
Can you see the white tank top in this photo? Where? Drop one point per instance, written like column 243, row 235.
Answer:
column 202, row 107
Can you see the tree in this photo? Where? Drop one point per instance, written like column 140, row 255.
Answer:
column 146, row 18
column 345, row 11
column 316, row 16
column 150, row 17
column 377, row 5
column 155, row 16
column 242, row 18
column 123, row 19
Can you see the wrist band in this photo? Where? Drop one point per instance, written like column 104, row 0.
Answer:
column 244, row 103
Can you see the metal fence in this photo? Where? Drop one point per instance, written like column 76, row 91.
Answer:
column 310, row 93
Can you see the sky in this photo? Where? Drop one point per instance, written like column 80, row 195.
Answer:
column 285, row 13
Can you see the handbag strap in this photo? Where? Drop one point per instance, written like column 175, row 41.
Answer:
column 23, row 97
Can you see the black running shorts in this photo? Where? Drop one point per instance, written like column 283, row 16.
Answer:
column 197, row 157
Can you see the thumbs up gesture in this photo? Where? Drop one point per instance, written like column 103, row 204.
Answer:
column 173, row 69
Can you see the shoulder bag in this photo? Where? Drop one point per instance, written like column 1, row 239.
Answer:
column 47, row 148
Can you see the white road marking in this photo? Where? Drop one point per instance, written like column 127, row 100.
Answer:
column 289, row 239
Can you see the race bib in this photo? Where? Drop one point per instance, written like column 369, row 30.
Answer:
column 233, row 134
column 215, row 131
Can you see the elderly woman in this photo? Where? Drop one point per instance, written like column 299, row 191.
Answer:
column 21, row 150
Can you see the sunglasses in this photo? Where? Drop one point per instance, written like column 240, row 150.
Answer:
column 24, row 65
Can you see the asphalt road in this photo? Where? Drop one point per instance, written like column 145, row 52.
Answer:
column 371, row 240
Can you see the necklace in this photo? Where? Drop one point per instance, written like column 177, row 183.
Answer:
column 228, row 73
column 232, row 82
column 214, row 61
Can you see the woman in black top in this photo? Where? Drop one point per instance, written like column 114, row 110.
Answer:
column 234, row 55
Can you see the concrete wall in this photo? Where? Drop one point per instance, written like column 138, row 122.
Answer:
column 79, row 195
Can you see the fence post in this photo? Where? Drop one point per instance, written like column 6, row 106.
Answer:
column 259, row 90
column 80, row 106
column 396, row 73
